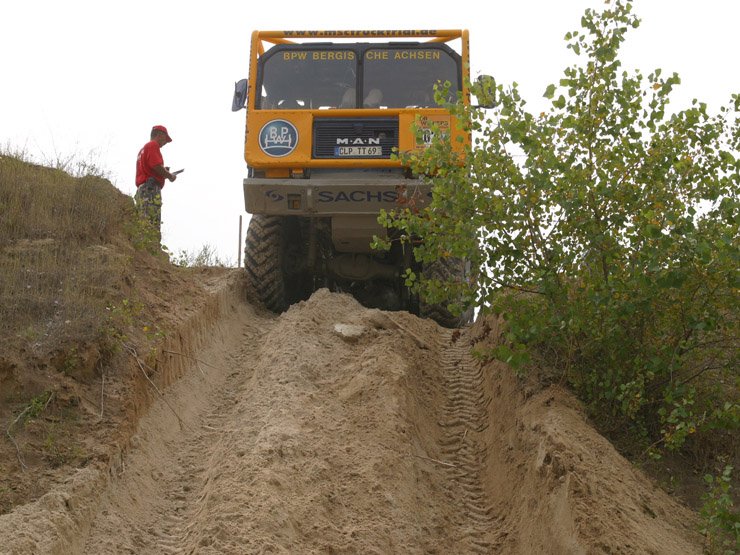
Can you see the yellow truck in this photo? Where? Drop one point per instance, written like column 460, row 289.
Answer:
column 326, row 112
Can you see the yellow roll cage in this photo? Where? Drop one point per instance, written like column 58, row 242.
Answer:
column 297, row 37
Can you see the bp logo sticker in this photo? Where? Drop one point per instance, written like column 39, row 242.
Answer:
column 278, row 138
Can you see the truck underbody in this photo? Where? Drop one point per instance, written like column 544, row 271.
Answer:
column 306, row 234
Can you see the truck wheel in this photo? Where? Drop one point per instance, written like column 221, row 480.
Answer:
column 445, row 269
column 264, row 254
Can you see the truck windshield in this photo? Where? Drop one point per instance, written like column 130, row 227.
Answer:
column 405, row 77
column 309, row 79
column 393, row 77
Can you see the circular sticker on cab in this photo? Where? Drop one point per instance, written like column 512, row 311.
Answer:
column 278, row 138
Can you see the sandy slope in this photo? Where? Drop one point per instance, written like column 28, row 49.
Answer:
column 337, row 429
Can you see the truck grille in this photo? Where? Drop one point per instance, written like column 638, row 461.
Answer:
column 330, row 133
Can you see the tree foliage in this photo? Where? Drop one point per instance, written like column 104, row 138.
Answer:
column 605, row 230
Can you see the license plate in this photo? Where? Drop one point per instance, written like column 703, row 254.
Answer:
column 358, row 151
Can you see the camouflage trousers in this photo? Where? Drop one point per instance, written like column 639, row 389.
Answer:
column 148, row 199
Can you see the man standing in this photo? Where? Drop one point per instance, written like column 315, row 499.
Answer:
column 150, row 175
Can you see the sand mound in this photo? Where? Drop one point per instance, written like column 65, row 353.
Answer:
column 338, row 429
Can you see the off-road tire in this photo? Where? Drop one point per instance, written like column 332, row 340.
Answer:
column 263, row 260
column 446, row 269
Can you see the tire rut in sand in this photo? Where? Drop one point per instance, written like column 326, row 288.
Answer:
column 464, row 418
column 183, row 499
column 155, row 504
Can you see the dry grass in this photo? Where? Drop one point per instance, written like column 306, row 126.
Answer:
column 55, row 267
column 207, row 256
column 75, row 270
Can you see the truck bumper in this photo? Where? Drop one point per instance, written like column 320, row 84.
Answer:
column 330, row 197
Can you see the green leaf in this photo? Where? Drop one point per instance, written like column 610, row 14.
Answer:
column 550, row 91
column 672, row 279
column 653, row 231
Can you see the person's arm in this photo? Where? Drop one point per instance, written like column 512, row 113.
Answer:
column 161, row 171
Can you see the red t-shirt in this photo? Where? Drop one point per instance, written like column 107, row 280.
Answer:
column 149, row 157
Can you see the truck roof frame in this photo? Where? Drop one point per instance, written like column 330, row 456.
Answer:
column 291, row 37
column 442, row 35
column 259, row 38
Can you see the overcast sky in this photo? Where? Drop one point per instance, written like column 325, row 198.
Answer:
column 88, row 79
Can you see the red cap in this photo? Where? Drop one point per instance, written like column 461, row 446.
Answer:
column 163, row 129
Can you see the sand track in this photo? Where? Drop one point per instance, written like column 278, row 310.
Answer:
column 337, row 429
column 151, row 506
column 465, row 416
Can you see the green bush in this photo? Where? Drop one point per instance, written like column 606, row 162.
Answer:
column 721, row 521
column 605, row 231
column 206, row 256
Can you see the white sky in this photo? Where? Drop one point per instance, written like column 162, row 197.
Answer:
column 89, row 78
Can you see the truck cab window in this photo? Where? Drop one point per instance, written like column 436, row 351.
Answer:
column 309, row 79
column 406, row 76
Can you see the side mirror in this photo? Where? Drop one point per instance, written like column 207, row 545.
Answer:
column 486, row 91
column 240, row 95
